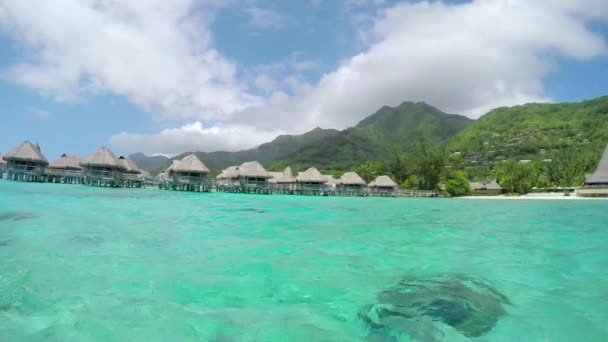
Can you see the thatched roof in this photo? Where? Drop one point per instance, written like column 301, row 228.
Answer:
column 492, row 185
column 190, row 163
column 253, row 169
column 330, row 180
column 285, row 177
column 311, row 175
column 600, row 176
column 67, row 162
column 173, row 163
column 129, row 165
column 352, row 178
column 229, row 173
column 103, row 158
column 27, row 152
column 383, row 182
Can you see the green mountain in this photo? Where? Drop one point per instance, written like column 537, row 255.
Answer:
column 535, row 131
column 379, row 136
column 390, row 130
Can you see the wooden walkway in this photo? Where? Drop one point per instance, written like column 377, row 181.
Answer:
column 111, row 179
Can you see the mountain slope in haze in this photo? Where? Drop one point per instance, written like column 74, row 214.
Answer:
column 277, row 149
column 390, row 130
column 153, row 164
column 535, row 131
column 377, row 137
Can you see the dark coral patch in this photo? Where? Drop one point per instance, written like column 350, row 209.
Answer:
column 470, row 306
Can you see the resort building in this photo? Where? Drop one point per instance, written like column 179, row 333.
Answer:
column 282, row 182
column 228, row 177
column 26, row 163
column 331, row 183
column 596, row 184
column 2, row 166
column 486, row 188
column 351, row 184
column 310, row 182
column 131, row 176
column 189, row 174
column 102, row 168
column 253, row 178
column 383, row 186
column 66, row 170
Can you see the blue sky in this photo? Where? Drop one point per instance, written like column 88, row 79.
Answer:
column 167, row 77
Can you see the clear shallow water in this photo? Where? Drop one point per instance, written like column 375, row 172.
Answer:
column 80, row 263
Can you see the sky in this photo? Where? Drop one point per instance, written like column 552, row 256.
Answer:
column 166, row 77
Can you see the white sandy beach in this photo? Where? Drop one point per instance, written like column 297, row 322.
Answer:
column 535, row 196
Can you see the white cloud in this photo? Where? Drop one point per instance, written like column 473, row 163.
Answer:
column 265, row 19
column 265, row 83
column 193, row 137
column 157, row 53
column 464, row 58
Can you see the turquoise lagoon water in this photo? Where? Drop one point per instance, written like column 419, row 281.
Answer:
column 85, row 264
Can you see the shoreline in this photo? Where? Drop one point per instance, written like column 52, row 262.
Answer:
column 535, row 197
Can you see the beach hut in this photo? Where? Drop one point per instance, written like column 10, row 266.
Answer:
column 66, row 170
column 253, row 178
column 130, row 176
column 485, row 188
column 189, row 174
column 102, row 168
column 228, row 180
column 163, row 177
column 383, row 186
column 282, row 182
column 351, row 184
column 596, row 184
column 310, row 182
column 26, row 163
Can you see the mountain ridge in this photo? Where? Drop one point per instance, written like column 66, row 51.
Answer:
column 388, row 130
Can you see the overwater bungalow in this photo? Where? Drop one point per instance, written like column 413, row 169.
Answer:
column 131, row 176
column 102, row 168
column 189, row 174
column 228, row 178
column 66, row 170
column 596, row 184
column 2, row 166
column 253, row 178
column 331, row 184
column 26, row 163
column 383, row 186
column 351, row 184
column 282, row 182
column 310, row 182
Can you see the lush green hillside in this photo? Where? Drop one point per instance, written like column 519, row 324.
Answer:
column 378, row 137
column 535, row 132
